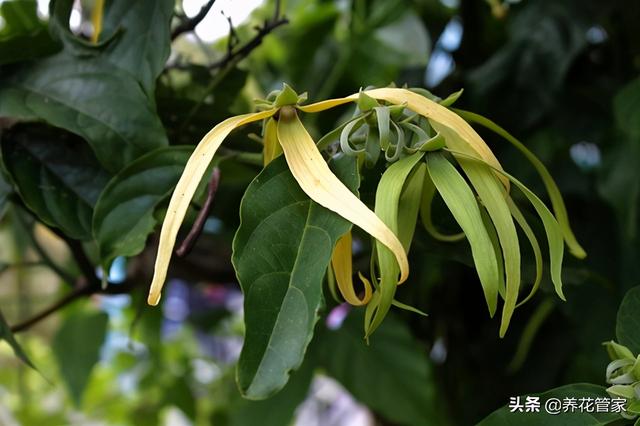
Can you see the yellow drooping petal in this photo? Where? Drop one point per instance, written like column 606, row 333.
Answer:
column 96, row 20
column 186, row 188
column 318, row 181
column 341, row 261
column 272, row 148
column 441, row 116
column 442, row 119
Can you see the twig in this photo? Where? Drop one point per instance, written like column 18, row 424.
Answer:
column 191, row 238
column 77, row 293
column 64, row 275
column 85, row 265
column 68, row 298
column 190, row 24
column 233, row 56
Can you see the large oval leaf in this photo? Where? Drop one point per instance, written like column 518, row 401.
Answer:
column 89, row 97
column 281, row 252
column 144, row 44
column 56, row 174
column 124, row 213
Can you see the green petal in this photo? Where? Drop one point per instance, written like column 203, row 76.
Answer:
column 552, row 189
column 428, row 194
column 462, row 203
column 528, row 232
column 387, row 201
column 551, row 226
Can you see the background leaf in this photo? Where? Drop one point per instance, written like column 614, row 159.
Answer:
column 143, row 45
column 23, row 36
column 628, row 321
column 56, row 174
column 7, row 336
column 280, row 253
column 89, row 97
column 243, row 412
column 77, row 345
column 124, row 214
column 392, row 374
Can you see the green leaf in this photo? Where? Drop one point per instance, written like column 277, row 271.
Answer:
column 280, row 253
column 23, row 36
column 628, row 320
column 504, row 416
column 56, row 175
column 7, row 336
column 89, row 97
column 387, row 202
column 626, row 109
column 463, row 205
column 124, row 214
column 392, row 375
column 277, row 410
column 19, row 17
column 5, row 192
column 143, row 44
column 76, row 346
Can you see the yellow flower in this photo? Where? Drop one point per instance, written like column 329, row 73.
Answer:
column 444, row 139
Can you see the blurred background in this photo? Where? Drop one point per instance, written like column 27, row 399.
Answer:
column 561, row 75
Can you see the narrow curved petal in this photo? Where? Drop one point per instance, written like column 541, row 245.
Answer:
column 441, row 116
column 318, row 181
column 438, row 114
column 557, row 203
column 185, row 189
column 341, row 261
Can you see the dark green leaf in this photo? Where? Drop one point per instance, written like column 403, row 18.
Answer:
column 7, row 336
column 89, row 97
column 143, row 44
column 180, row 395
column 5, row 191
column 24, row 36
column 20, row 17
column 277, row 410
column 76, row 346
column 628, row 321
column 392, row 375
column 280, row 253
column 124, row 214
column 545, row 38
column 626, row 107
column 56, row 174
column 504, row 416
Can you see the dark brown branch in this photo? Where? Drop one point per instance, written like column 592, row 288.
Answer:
column 190, row 24
column 77, row 293
column 191, row 238
column 235, row 55
column 67, row 299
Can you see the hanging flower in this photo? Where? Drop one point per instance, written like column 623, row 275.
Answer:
column 427, row 146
